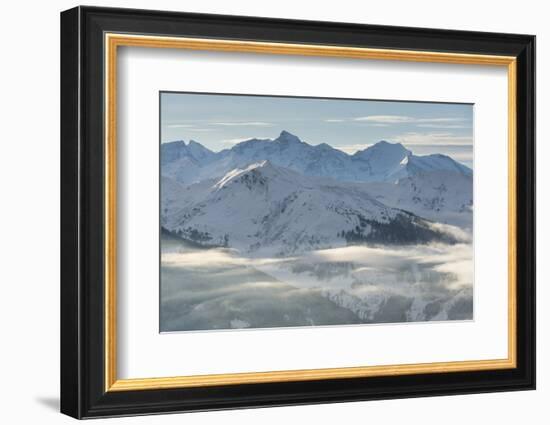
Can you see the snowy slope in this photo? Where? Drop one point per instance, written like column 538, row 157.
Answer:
column 278, row 211
column 184, row 170
column 432, row 186
column 442, row 196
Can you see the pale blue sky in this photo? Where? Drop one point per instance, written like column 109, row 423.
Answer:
column 220, row 121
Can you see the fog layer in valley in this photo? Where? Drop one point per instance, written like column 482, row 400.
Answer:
column 217, row 288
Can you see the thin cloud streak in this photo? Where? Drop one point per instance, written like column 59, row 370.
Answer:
column 437, row 138
column 180, row 126
column 403, row 119
column 202, row 129
column 241, row 139
column 450, row 126
column 385, row 119
column 244, row 124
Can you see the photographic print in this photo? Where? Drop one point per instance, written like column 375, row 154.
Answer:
column 291, row 211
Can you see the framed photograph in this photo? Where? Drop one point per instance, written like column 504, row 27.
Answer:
column 261, row 212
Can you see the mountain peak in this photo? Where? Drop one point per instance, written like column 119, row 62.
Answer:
column 384, row 144
column 384, row 148
column 194, row 143
column 173, row 144
column 287, row 137
column 199, row 150
column 193, row 151
column 172, row 151
column 384, row 158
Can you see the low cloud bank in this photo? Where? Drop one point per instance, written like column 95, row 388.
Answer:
column 376, row 284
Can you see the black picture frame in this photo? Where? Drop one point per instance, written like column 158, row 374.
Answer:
column 83, row 392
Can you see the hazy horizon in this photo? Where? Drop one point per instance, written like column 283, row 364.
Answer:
column 221, row 121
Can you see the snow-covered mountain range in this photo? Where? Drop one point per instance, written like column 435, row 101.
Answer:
column 289, row 195
column 382, row 162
